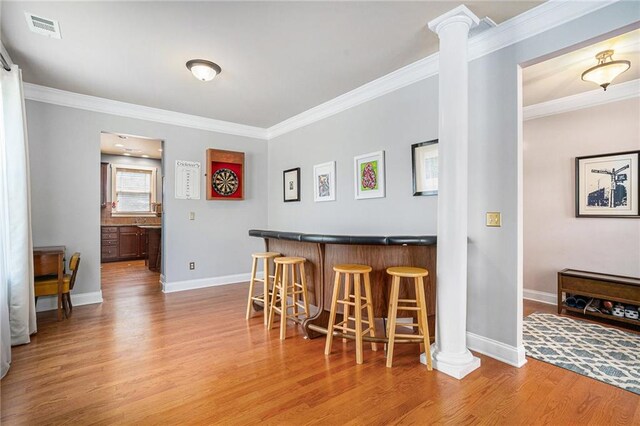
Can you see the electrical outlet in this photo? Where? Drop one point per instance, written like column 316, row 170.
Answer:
column 494, row 219
column 192, row 215
column 192, row 265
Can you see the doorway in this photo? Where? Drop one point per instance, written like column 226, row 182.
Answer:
column 131, row 195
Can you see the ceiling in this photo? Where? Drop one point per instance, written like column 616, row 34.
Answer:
column 278, row 59
column 560, row 76
column 132, row 145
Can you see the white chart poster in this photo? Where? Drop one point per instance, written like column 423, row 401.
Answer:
column 188, row 180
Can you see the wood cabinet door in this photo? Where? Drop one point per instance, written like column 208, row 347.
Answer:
column 143, row 243
column 129, row 243
column 104, row 172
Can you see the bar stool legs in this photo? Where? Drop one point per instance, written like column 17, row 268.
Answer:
column 290, row 282
column 267, row 289
column 420, row 308
column 357, row 271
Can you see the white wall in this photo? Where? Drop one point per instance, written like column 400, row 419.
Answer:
column 554, row 238
column 64, row 148
column 391, row 123
column 395, row 121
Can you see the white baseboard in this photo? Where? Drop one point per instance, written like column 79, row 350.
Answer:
column 171, row 287
column 540, row 296
column 506, row 353
column 50, row 303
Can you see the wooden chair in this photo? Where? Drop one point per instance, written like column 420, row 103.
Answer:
column 417, row 305
column 354, row 300
column 48, row 286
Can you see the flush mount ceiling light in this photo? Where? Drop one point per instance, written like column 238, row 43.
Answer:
column 203, row 70
column 607, row 69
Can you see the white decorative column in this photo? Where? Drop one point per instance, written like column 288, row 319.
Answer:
column 450, row 353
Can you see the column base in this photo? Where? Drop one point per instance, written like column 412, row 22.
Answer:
column 455, row 365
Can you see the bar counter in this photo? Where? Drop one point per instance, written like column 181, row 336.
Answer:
column 380, row 252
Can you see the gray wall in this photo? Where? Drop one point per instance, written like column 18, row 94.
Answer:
column 64, row 148
column 391, row 123
column 554, row 238
column 395, row 121
column 134, row 161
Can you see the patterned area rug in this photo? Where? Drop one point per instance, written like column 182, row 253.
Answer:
column 605, row 354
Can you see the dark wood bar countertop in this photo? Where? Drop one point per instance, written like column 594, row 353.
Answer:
column 380, row 252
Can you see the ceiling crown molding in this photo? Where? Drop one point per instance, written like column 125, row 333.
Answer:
column 548, row 15
column 49, row 95
column 614, row 93
column 398, row 79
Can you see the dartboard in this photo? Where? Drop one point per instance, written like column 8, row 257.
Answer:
column 225, row 182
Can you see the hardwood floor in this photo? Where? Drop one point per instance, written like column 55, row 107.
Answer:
column 190, row 357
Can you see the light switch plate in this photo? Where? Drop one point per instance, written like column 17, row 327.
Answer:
column 192, row 215
column 494, row 219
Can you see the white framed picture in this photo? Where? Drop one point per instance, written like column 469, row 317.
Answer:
column 424, row 159
column 324, row 182
column 369, row 175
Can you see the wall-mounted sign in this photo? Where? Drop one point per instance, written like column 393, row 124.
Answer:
column 188, row 180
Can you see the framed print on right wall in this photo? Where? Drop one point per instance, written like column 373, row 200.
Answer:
column 607, row 185
column 424, row 159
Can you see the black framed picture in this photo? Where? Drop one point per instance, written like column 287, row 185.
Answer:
column 424, row 158
column 607, row 185
column 291, row 184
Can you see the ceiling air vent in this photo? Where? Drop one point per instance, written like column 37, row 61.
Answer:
column 44, row 26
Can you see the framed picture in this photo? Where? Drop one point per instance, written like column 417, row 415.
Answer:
column 607, row 185
column 225, row 175
column 424, row 158
column 369, row 175
column 291, row 184
column 324, row 182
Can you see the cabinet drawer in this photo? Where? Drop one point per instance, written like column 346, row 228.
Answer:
column 129, row 230
column 109, row 252
column 109, row 229
column 106, row 243
column 113, row 236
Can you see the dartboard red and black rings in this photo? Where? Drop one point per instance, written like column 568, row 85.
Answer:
column 225, row 182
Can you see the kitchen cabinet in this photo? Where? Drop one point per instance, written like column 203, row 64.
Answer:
column 123, row 243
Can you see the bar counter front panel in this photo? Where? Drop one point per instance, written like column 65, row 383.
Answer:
column 380, row 252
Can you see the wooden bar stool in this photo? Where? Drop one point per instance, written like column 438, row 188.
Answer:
column 267, row 291
column 348, row 301
column 418, row 305
column 288, row 285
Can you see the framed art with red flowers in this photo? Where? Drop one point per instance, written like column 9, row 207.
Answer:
column 225, row 175
column 369, row 175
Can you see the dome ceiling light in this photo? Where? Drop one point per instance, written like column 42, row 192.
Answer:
column 203, row 70
column 607, row 69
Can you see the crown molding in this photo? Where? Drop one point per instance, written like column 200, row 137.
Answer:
column 614, row 93
column 548, row 15
column 398, row 79
column 544, row 17
column 50, row 95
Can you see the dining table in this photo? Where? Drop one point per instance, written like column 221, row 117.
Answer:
column 48, row 261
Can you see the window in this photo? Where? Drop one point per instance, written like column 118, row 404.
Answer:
column 133, row 190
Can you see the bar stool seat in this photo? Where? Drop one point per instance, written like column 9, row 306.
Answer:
column 267, row 280
column 354, row 300
column 288, row 285
column 417, row 305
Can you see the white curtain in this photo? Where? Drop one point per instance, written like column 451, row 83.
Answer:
column 17, row 306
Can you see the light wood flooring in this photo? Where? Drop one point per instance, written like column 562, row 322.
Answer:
column 144, row 357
